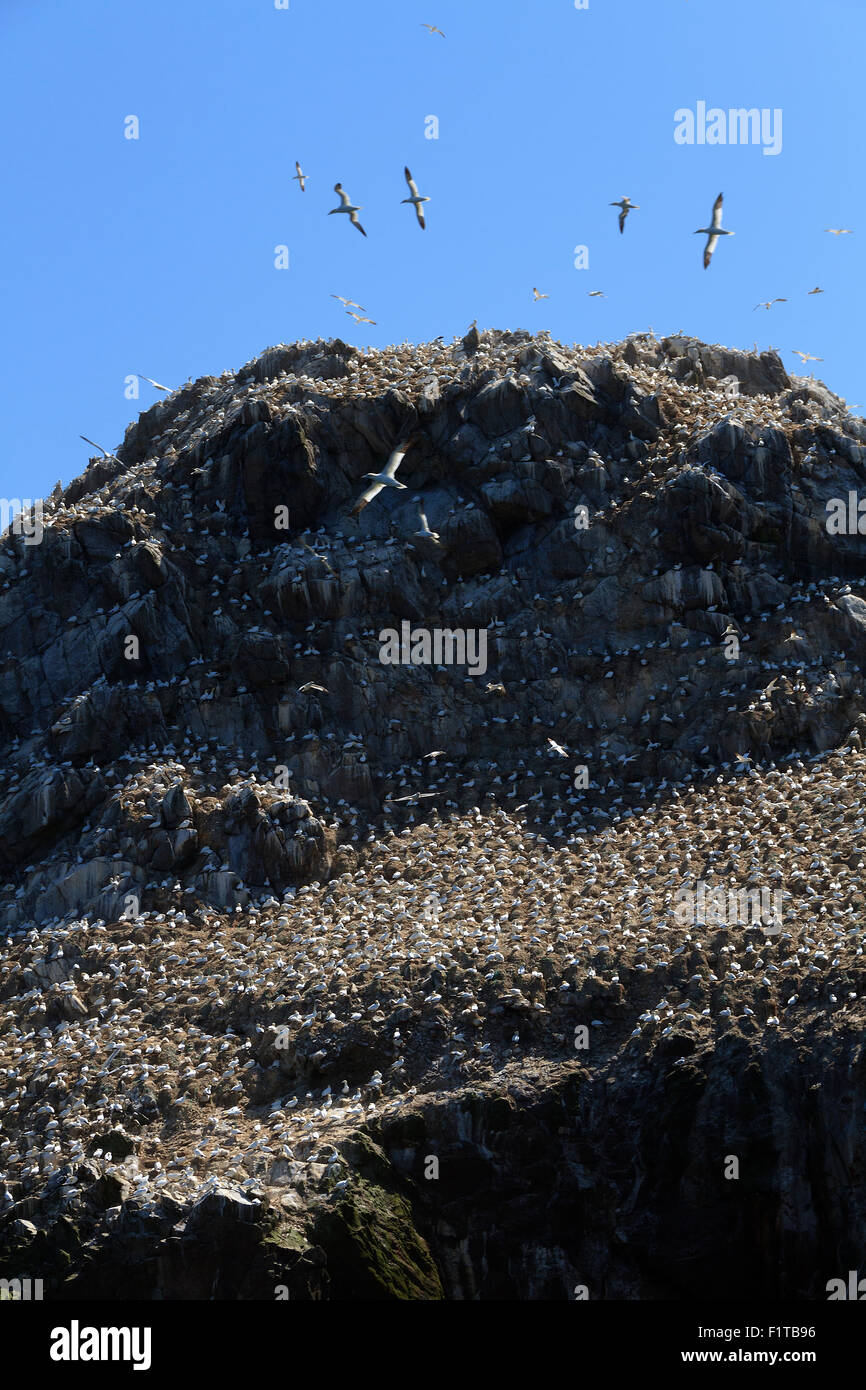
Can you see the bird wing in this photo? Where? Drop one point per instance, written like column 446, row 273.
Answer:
column 396, row 459
column 103, row 452
column 420, row 215
column 712, row 243
column 345, row 200
column 372, row 491
column 622, row 217
column 717, row 212
column 413, row 187
column 353, row 218
column 150, row 379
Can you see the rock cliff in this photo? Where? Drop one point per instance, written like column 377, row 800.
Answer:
column 503, row 975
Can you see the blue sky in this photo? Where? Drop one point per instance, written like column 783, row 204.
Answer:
column 157, row 254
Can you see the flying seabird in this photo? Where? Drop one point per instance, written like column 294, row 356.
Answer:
column 384, row 479
column 151, row 382
column 301, row 177
column 537, row 295
column 350, row 303
column 359, row 318
column 104, row 452
column 417, row 198
column 347, row 206
column 425, row 529
column 816, row 290
column 625, row 206
column 838, row 231
column 768, row 303
column 432, row 28
column 806, row 356
column 557, row 748
column 596, row 294
column 311, row 685
column 713, row 232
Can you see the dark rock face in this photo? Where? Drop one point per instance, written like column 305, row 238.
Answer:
column 197, row 721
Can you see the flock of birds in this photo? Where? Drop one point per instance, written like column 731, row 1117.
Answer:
column 452, row 949
column 351, row 209
column 505, row 914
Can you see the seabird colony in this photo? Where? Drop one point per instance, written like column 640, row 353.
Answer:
column 448, row 947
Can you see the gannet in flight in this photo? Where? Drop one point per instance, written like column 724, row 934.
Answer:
column 596, row 294
column 806, row 356
column 625, row 206
column 151, row 382
column 838, row 231
column 349, row 303
column 537, row 294
column 768, row 303
column 347, row 206
column 384, row 479
column 416, row 199
column 311, row 685
column 424, row 528
column 432, row 28
column 437, row 753
column 359, row 318
column 816, row 290
column 713, row 232
column 104, row 452
column 301, row 177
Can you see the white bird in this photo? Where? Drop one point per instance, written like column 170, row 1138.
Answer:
column 713, row 232
column 103, row 452
column 425, row 529
column 349, row 303
column 347, row 206
column 816, row 290
column 311, row 685
column 596, row 294
column 768, row 303
column 301, row 177
column 359, row 318
column 625, row 206
column 150, row 381
column 806, row 356
column 838, row 231
column 384, row 479
column 416, row 199
column 557, row 748
column 432, row 28
column 536, row 294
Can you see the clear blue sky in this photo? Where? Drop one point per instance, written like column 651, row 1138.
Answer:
column 157, row 255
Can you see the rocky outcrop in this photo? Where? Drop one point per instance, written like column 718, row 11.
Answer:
column 300, row 940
